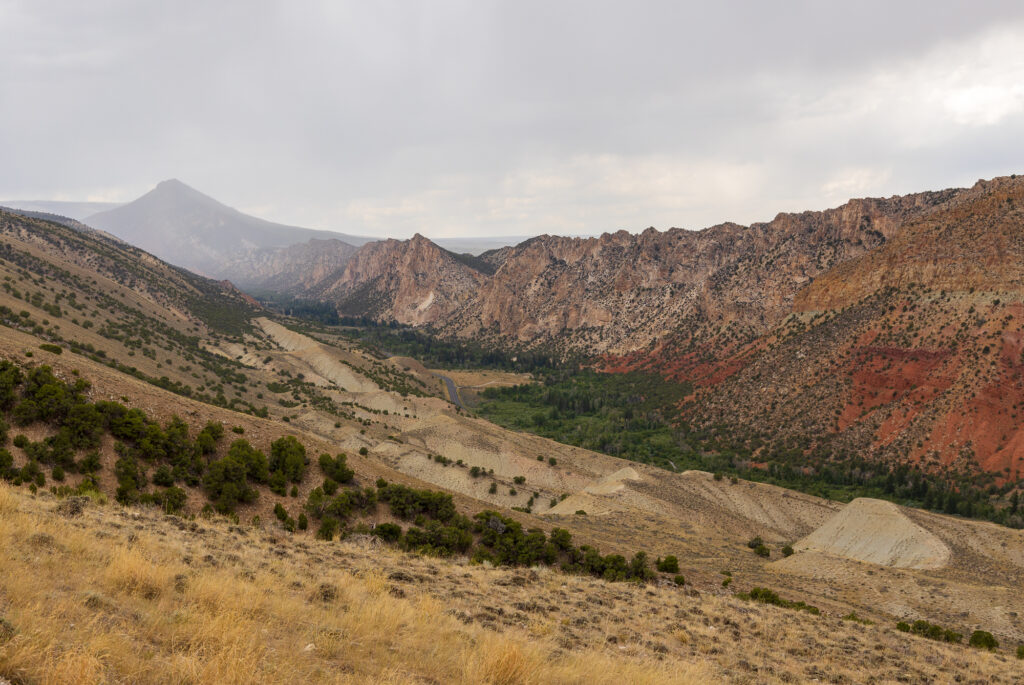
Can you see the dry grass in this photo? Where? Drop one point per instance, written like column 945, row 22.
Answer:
column 129, row 571
column 91, row 606
column 8, row 502
column 118, row 595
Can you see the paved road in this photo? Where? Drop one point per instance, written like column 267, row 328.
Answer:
column 453, row 391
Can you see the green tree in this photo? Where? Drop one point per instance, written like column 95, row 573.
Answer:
column 226, row 484
column 288, row 456
column 256, row 467
column 336, row 468
column 984, row 640
column 669, row 564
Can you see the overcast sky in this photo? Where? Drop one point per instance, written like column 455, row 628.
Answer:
column 508, row 118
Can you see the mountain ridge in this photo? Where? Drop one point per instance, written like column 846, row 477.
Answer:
column 622, row 292
column 188, row 228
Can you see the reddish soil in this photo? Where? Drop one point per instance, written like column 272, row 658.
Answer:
column 883, row 375
column 703, row 368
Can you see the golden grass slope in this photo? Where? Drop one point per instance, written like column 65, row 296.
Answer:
column 91, row 606
column 118, row 595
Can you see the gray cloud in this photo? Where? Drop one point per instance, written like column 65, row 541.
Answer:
column 506, row 118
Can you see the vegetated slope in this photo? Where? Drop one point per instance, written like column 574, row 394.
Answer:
column 45, row 216
column 51, row 248
column 619, row 292
column 103, row 298
column 913, row 351
column 185, row 227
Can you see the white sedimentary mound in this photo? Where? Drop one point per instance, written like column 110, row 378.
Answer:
column 878, row 532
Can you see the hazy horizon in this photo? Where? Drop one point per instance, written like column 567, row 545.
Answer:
column 459, row 119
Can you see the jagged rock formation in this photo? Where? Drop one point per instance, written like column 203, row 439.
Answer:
column 619, row 292
column 976, row 243
column 292, row 269
column 412, row 281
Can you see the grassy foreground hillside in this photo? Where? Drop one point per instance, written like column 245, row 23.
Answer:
column 98, row 593
column 153, row 602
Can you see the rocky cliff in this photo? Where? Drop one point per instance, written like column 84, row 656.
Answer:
column 620, row 292
column 411, row 281
column 293, row 269
column 974, row 244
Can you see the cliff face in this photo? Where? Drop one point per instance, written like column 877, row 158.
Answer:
column 294, row 269
column 413, row 282
column 620, row 292
column 976, row 243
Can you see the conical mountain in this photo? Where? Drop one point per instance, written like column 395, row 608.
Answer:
column 185, row 227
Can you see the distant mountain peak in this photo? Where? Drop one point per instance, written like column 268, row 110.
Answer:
column 173, row 189
column 173, row 183
column 184, row 226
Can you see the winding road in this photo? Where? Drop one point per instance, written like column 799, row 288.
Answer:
column 453, row 390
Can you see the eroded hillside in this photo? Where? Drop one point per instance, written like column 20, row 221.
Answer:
column 912, row 351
